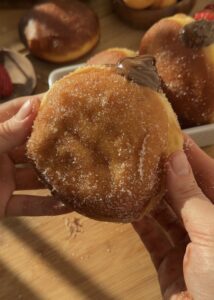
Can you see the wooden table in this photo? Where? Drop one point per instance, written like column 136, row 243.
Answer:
column 46, row 258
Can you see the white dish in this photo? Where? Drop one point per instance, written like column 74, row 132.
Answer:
column 202, row 135
column 59, row 73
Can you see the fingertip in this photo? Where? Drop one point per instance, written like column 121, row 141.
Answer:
column 190, row 146
column 201, row 163
column 15, row 131
column 29, row 108
column 33, row 104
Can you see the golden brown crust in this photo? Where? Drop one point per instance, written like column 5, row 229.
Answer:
column 101, row 145
column 163, row 3
column 142, row 4
column 138, row 4
column 110, row 56
column 144, row 18
column 60, row 33
column 186, row 72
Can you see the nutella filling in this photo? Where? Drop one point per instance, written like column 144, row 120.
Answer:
column 198, row 34
column 141, row 70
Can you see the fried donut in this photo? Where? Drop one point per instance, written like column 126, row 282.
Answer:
column 59, row 33
column 138, row 4
column 110, row 56
column 143, row 18
column 163, row 3
column 141, row 4
column 101, row 138
column 184, row 52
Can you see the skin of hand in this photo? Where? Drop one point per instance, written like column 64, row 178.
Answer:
column 179, row 233
column 16, row 120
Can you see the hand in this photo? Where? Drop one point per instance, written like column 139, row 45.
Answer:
column 179, row 233
column 16, row 119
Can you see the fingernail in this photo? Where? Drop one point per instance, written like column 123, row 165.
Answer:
column 180, row 164
column 24, row 111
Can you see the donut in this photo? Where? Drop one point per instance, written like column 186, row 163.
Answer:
column 184, row 53
column 136, row 14
column 142, row 4
column 110, row 56
column 58, row 32
column 101, row 138
column 138, row 4
column 163, row 3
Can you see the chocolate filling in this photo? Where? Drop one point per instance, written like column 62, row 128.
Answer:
column 141, row 70
column 198, row 34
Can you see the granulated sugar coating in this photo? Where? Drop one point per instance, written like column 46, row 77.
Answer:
column 100, row 142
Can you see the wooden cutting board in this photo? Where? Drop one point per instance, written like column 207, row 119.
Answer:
column 72, row 257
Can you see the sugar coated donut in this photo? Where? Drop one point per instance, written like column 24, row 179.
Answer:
column 101, row 138
column 184, row 53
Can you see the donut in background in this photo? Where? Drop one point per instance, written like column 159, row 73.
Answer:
column 110, row 56
column 184, row 53
column 60, row 33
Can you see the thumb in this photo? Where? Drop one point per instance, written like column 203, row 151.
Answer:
column 187, row 199
column 14, row 131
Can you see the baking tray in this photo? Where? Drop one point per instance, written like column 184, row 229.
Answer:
column 202, row 135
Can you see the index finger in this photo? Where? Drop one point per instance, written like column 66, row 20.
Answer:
column 10, row 108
